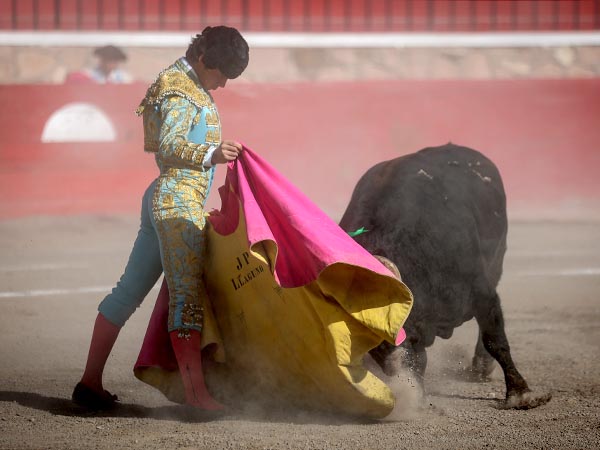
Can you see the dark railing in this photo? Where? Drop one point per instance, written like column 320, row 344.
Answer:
column 302, row 15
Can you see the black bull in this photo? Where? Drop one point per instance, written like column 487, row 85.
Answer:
column 440, row 216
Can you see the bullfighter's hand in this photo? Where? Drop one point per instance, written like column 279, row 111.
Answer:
column 227, row 151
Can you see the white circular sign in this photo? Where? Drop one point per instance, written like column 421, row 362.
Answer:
column 79, row 122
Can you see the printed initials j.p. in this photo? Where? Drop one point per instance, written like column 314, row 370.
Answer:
column 240, row 263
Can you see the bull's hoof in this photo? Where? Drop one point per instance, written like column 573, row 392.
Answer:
column 526, row 400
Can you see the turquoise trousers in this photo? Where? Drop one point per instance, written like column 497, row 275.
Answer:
column 143, row 269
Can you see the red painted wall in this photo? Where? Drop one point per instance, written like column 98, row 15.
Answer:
column 543, row 135
column 307, row 15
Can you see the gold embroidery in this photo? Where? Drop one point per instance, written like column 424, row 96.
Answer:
column 212, row 119
column 213, row 136
column 184, row 333
column 174, row 82
column 181, row 189
column 203, row 148
column 192, row 314
column 179, row 216
column 167, row 202
column 183, row 116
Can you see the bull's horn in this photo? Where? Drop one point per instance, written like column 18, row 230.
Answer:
column 389, row 265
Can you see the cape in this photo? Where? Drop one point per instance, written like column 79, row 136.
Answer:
column 295, row 304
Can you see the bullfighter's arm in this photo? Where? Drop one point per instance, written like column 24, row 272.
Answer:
column 178, row 117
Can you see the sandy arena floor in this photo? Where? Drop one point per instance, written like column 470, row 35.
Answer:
column 54, row 271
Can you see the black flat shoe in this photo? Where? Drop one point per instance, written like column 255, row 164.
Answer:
column 92, row 400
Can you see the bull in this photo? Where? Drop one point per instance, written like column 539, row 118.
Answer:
column 440, row 216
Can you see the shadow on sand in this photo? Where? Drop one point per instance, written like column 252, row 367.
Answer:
column 65, row 407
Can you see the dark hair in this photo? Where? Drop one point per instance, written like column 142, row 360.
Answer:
column 110, row 53
column 222, row 48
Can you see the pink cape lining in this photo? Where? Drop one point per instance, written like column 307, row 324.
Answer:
column 307, row 239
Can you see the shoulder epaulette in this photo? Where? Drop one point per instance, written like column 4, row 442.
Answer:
column 174, row 82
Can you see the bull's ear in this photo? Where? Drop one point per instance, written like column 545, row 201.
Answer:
column 389, row 265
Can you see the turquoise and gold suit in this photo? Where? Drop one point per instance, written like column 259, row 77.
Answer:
column 182, row 128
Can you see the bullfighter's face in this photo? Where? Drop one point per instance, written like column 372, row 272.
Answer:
column 211, row 79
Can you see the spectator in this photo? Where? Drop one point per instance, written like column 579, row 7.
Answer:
column 106, row 71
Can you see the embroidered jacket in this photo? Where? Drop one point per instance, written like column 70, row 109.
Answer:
column 181, row 121
column 182, row 128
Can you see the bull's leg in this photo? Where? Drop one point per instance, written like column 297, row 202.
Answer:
column 491, row 324
column 416, row 359
column 391, row 359
column 388, row 357
column 482, row 365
